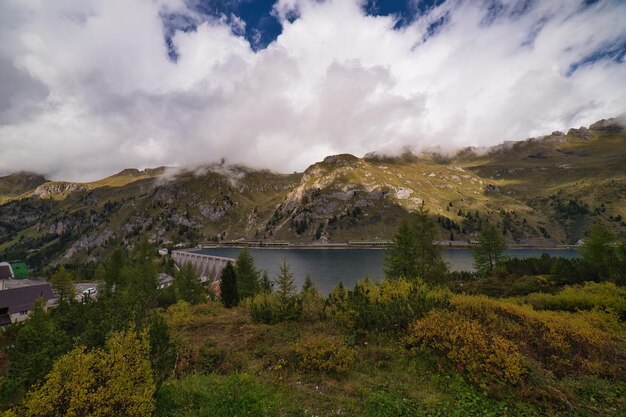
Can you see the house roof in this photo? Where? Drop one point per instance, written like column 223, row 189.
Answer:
column 22, row 299
column 5, row 272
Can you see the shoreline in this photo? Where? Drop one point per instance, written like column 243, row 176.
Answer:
column 369, row 247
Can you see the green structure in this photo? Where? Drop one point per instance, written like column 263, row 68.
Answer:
column 20, row 270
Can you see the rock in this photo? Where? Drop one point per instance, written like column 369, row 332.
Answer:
column 583, row 132
column 607, row 125
column 490, row 188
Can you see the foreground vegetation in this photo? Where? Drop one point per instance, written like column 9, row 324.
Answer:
column 531, row 337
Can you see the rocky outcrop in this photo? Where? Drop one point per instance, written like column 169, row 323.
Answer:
column 608, row 125
column 51, row 189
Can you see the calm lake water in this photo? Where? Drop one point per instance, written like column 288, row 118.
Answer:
column 329, row 267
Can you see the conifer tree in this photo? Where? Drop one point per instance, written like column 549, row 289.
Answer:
column 247, row 275
column 63, row 284
column 413, row 253
column 488, row 251
column 290, row 305
column 308, row 284
column 187, row 285
column 265, row 284
column 228, row 287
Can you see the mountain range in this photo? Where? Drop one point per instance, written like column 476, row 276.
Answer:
column 541, row 191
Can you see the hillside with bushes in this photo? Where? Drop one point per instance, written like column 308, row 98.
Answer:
column 533, row 337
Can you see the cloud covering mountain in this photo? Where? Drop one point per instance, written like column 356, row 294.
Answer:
column 88, row 87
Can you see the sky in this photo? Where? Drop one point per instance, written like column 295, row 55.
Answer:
column 90, row 87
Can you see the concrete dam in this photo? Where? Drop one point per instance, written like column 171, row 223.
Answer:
column 208, row 267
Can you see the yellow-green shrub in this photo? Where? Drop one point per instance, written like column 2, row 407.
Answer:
column 271, row 309
column 604, row 296
column 323, row 354
column 312, row 305
column 114, row 381
column 565, row 343
column 385, row 305
column 481, row 353
column 179, row 314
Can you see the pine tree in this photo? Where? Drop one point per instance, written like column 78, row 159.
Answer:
column 413, row 253
column 187, row 285
column 285, row 282
column 308, row 284
column 265, row 284
column 399, row 258
column 247, row 275
column 290, row 305
column 488, row 250
column 228, row 287
column 63, row 284
column 599, row 251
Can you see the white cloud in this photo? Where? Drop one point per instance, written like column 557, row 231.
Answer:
column 87, row 89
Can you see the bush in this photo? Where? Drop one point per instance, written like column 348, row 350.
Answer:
column 390, row 305
column 179, row 314
column 216, row 396
column 272, row 309
column 471, row 346
column 312, row 305
column 604, row 296
column 323, row 354
column 496, row 340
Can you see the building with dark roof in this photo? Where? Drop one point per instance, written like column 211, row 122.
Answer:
column 16, row 303
column 5, row 271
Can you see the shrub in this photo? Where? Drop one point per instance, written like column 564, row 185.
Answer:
column 272, row 309
column 116, row 380
column 323, row 354
column 604, row 296
column 495, row 340
column 179, row 314
column 312, row 305
column 389, row 305
column 471, row 346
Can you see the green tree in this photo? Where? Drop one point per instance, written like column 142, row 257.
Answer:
column 139, row 278
column 115, row 381
column 31, row 353
column 488, row 250
column 113, row 267
column 100, row 274
column 598, row 249
column 308, row 284
column 63, row 283
column 228, row 286
column 413, row 253
column 187, row 285
column 289, row 304
column 247, row 275
column 265, row 284
column 400, row 257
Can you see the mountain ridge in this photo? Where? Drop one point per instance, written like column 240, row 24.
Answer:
column 543, row 190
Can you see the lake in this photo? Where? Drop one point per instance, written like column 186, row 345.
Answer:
column 329, row 267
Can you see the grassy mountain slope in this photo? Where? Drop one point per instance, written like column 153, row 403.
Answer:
column 539, row 191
